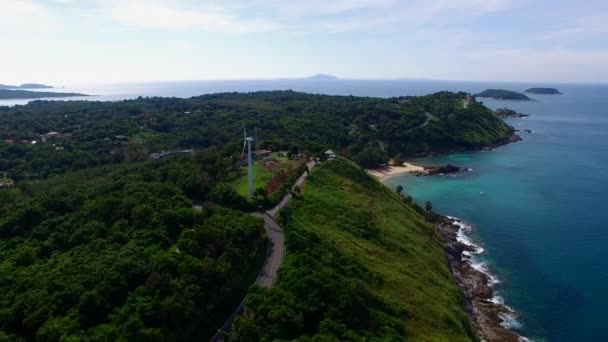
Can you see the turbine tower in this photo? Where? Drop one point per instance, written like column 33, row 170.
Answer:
column 247, row 141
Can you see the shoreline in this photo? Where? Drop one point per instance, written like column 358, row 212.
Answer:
column 386, row 172
column 493, row 319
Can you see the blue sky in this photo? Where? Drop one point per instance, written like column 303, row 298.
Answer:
column 92, row 41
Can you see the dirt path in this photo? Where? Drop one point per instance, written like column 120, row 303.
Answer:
column 426, row 122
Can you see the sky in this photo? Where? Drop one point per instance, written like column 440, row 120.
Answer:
column 65, row 42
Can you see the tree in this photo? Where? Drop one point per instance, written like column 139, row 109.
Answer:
column 399, row 189
column 260, row 193
column 428, row 206
column 397, row 160
column 370, row 157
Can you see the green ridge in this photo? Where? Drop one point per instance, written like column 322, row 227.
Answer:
column 360, row 264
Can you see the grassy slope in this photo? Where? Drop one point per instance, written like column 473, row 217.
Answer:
column 260, row 179
column 406, row 253
column 405, row 266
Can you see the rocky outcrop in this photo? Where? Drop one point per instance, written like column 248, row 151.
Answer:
column 443, row 169
column 509, row 113
column 485, row 313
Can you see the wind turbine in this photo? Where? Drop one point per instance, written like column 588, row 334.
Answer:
column 247, row 141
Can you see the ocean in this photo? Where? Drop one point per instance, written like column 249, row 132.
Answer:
column 540, row 220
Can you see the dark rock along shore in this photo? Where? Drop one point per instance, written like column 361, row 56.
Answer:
column 475, row 286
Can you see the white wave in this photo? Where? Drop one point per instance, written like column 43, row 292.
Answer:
column 462, row 237
column 498, row 300
column 481, row 266
column 509, row 321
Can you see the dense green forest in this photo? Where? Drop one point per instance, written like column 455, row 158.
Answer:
column 119, row 254
column 362, row 263
column 368, row 130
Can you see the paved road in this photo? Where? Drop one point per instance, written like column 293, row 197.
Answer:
column 274, row 253
column 276, row 245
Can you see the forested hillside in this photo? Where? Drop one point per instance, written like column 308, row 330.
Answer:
column 362, row 263
column 119, row 254
column 79, row 134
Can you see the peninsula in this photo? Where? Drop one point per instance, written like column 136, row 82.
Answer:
column 6, row 94
column 168, row 249
column 501, row 94
column 543, row 91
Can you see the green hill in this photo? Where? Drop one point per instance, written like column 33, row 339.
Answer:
column 368, row 130
column 501, row 94
column 360, row 265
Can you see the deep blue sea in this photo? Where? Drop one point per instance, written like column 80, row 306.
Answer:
column 543, row 220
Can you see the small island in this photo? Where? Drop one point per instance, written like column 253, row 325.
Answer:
column 6, row 94
column 321, row 77
column 509, row 113
column 501, row 94
column 34, row 86
column 543, row 91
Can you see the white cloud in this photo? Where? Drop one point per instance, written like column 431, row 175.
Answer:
column 290, row 16
column 25, row 17
column 156, row 15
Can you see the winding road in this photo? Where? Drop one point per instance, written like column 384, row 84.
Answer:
column 274, row 254
column 428, row 116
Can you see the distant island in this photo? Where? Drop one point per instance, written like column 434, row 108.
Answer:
column 501, row 94
column 544, row 91
column 321, row 77
column 26, row 86
column 6, row 94
column 509, row 113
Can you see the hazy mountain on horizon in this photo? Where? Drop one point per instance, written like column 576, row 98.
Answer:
column 26, row 86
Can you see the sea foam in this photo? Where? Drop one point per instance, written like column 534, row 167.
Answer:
column 508, row 319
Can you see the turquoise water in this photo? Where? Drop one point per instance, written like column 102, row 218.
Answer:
column 543, row 220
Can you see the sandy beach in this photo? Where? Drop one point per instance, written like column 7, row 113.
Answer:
column 388, row 171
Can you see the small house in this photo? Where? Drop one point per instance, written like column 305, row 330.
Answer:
column 329, row 154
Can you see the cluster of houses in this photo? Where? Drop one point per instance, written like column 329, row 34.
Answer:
column 165, row 154
column 43, row 137
column 8, row 184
